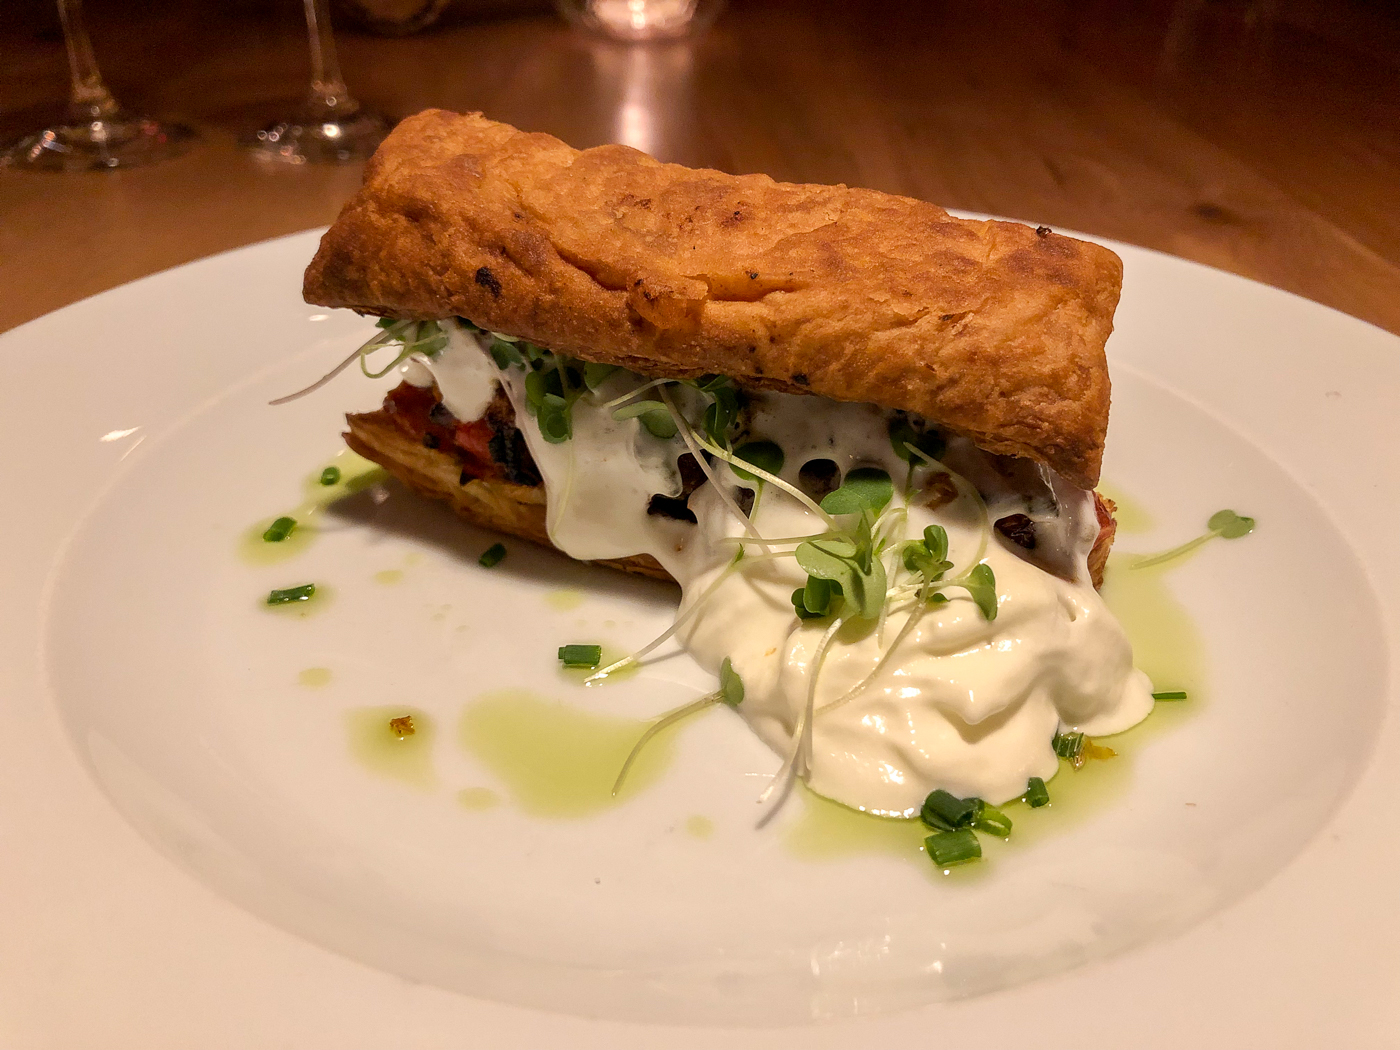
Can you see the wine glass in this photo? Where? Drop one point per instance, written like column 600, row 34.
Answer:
column 97, row 134
column 330, row 127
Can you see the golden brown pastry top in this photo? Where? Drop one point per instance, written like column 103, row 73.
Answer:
column 994, row 330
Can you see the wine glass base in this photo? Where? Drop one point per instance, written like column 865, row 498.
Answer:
column 307, row 140
column 119, row 141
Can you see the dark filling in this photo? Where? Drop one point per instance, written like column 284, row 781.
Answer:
column 1019, row 529
column 490, row 447
column 818, row 478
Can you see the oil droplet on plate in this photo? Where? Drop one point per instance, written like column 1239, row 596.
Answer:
column 699, row 827
column 388, row 576
column 828, row 830
column 564, row 600
column 314, row 677
column 356, row 474
column 1166, row 643
column 383, row 742
column 1132, row 517
column 557, row 760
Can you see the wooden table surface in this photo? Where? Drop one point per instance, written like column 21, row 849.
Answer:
column 1259, row 136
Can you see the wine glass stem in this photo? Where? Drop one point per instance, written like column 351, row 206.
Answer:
column 328, row 90
column 88, row 97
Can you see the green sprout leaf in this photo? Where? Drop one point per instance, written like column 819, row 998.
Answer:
column 653, row 415
column 556, row 426
column 723, row 412
column 595, row 375
column 800, row 608
column 731, row 686
column 981, row 583
column 505, row 354
column 1230, row 525
column 765, row 455
column 903, row 434
column 818, row 559
column 865, row 488
column 936, row 541
column 818, row 595
column 330, row 476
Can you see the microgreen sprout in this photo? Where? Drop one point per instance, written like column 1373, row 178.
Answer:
column 799, row 758
column 680, row 621
column 694, row 443
column 652, row 415
column 903, row 437
column 766, row 455
column 414, row 337
column 1223, row 523
column 730, row 691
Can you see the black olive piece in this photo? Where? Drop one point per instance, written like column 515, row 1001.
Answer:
column 673, row 507
column 430, row 441
column 508, row 449
column 440, row 415
column 1019, row 529
column 692, row 475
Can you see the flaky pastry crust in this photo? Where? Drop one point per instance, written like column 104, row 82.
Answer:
column 993, row 330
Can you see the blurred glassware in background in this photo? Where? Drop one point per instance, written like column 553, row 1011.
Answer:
column 97, row 134
column 641, row 19
column 330, row 127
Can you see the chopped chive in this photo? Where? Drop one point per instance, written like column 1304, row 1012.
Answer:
column 993, row 821
column 953, row 847
column 1171, row 694
column 330, row 476
column 279, row 530
column 291, row 594
column 580, row 655
column 1068, row 745
column 492, row 555
column 1036, row 793
column 947, row 812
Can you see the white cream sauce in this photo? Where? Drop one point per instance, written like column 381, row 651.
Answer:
column 961, row 703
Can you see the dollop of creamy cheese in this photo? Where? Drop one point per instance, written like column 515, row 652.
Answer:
column 928, row 696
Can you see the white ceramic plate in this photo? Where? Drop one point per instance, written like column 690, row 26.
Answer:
column 1238, row 887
